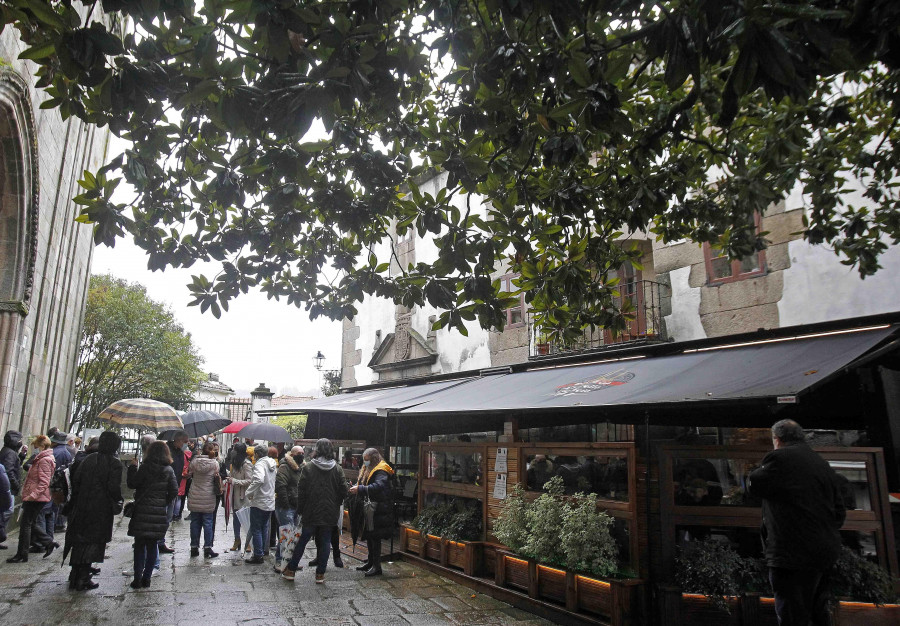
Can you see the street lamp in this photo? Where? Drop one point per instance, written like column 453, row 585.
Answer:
column 318, row 359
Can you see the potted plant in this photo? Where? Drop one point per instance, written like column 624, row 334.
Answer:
column 560, row 549
column 447, row 533
column 718, row 586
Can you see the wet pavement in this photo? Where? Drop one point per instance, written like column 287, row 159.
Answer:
column 226, row 591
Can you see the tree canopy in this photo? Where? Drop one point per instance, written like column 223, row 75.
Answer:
column 131, row 347
column 575, row 121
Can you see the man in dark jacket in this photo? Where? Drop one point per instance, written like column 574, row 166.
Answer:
column 802, row 515
column 320, row 494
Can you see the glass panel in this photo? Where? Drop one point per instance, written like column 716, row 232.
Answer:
column 620, row 532
column 712, row 482
column 854, row 481
column 721, row 266
column 750, row 263
column 861, row 542
column 515, row 315
column 746, row 541
column 606, row 476
column 455, row 467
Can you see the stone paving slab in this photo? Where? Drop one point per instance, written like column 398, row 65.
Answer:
column 225, row 590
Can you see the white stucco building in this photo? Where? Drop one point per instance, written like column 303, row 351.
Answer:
column 683, row 291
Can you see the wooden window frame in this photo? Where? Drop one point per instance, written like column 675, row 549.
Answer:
column 736, row 273
column 506, row 285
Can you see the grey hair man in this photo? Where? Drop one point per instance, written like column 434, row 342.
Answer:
column 802, row 515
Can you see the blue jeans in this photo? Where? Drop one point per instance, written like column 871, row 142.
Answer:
column 286, row 517
column 5, row 516
column 323, row 547
column 206, row 521
column 146, row 554
column 259, row 530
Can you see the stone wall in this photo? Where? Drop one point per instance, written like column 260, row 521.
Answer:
column 40, row 323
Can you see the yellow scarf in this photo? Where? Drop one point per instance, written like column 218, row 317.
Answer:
column 381, row 466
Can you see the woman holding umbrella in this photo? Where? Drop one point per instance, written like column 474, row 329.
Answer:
column 374, row 485
column 95, row 501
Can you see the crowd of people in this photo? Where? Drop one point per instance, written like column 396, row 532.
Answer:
column 79, row 492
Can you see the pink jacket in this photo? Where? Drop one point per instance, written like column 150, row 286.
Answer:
column 37, row 481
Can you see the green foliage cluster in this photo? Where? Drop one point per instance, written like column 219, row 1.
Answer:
column 458, row 519
column 294, row 424
column 859, row 579
column 556, row 530
column 131, row 347
column 286, row 140
column 715, row 569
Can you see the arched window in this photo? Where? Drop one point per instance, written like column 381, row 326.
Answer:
column 18, row 193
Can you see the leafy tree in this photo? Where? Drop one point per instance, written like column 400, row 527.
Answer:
column 331, row 385
column 574, row 122
column 294, row 424
column 131, row 347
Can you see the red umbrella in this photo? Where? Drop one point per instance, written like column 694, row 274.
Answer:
column 235, row 427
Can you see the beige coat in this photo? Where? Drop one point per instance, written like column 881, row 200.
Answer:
column 201, row 498
column 240, row 480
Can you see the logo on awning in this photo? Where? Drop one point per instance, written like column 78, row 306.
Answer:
column 596, row 383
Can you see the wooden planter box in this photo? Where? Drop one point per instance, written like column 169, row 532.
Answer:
column 410, row 540
column 433, row 548
column 619, row 601
column 752, row 610
column 489, row 558
column 464, row 555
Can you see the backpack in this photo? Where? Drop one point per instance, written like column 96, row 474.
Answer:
column 59, row 485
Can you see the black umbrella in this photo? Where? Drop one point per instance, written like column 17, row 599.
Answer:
column 266, row 432
column 199, row 423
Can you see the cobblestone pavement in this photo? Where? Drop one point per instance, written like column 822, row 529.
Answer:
column 226, row 591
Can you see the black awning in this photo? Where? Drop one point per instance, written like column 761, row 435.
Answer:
column 778, row 370
column 368, row 402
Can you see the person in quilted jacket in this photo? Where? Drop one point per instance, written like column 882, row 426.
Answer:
column 204, row 470
column 155, row 487
column 35, row 495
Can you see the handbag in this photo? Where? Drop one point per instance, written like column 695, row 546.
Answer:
column 217, row 485
column 369, row 508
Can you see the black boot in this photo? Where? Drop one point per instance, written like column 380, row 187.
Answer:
column 83, row 581
column 365, row 567
column 73, row 577
column 209, row 554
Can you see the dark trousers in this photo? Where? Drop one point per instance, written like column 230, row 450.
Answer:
column 30, row 513
column 323, row 543
column 801, row 598
column 374, row 548
column 146, row 553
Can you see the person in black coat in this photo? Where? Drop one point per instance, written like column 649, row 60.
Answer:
column 802, row 513
column 96, row 499
column 154, row 487
column 12, row 463
column 375, row 485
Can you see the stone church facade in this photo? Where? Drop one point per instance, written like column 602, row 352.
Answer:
column 45, row 256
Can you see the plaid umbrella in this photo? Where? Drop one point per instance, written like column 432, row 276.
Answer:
column 141, row 413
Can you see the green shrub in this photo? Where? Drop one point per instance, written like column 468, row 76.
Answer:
column 458, row 519
column 715, row 569
column 556, row 531
column 861, row 580
column 587, row 545
column 544, row 520
column 511, row 526
column 709, row 567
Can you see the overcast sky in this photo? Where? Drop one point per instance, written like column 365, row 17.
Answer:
column 256, row 340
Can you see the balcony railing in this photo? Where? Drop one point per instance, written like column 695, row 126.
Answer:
column 646, row 325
